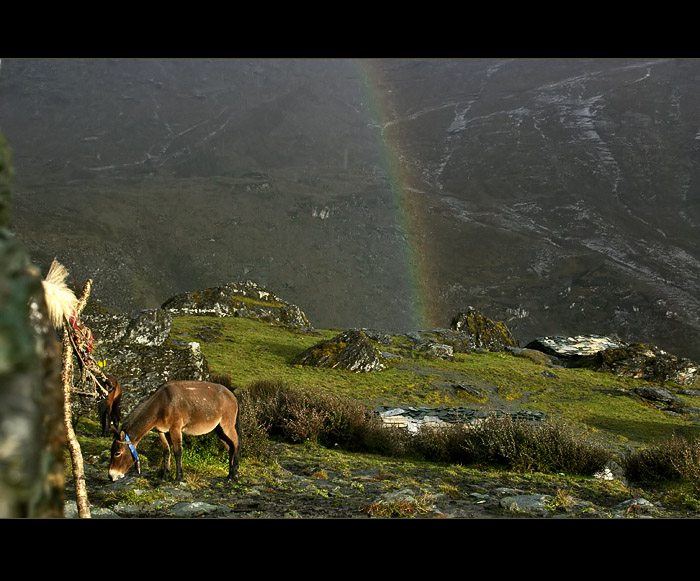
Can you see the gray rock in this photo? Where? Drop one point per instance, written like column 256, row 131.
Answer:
column 439, row 350
column 575, row 347
column 70, row 510
column 657, row 394
column 149, row 327
column 635, row 505
column 137, row 350
column 528, row 503
column 405, row 494
column 378, row 336
column 141, row 369
column 647, row 362
column 195, row 509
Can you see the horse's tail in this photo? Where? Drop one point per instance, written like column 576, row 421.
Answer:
column 238, row 425
column 60, row 299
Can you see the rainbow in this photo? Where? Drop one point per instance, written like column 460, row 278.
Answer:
column 405, row 195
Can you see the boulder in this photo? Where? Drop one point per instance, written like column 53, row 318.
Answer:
column 109, row 327
column 142, row 369
column 137, row 349
column 351, row 351
column 238, row 299
column 664, row 399
column 573, row 349
column 149, row 327
column 658, row 394
column 635, row 360
column 485, row 333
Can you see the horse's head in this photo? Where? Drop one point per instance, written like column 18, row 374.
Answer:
column 123, row 456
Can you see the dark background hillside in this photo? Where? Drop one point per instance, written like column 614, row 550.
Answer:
column 558, row 195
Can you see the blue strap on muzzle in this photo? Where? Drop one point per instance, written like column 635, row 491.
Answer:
column 134, row 453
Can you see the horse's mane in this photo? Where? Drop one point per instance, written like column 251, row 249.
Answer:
column 61, row 302
column 128, row 423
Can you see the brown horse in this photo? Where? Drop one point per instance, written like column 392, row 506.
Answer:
column 110, row 407
column 176, row 408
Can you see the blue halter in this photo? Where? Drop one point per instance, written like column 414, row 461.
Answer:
column 134, row 453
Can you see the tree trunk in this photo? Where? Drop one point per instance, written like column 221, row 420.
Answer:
column 73, row 444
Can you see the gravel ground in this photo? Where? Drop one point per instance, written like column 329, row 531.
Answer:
column 313, row 484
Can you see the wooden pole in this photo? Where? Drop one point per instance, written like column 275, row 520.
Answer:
column 67, row 379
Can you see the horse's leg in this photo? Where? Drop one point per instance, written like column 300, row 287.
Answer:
column 165, row 443
column 227, row 431
column 104, row 418
column 176, row 440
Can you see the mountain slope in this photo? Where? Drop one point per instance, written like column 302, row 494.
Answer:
column 558, row 195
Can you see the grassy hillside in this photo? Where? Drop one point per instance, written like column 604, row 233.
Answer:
column 249, row 350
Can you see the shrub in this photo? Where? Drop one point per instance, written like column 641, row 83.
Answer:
column 547, row 446
column 688, row 464
column 443, row 444
column 253, row 429
column 676, row 458
column 297, row 416
column 279, row 410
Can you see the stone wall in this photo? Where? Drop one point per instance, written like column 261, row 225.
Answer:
column 413, row 418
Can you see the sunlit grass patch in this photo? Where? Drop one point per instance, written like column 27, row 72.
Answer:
column 250, row 350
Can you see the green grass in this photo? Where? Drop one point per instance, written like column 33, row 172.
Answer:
column 249, row 350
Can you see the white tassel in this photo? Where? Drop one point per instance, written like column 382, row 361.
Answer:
column 60, row 300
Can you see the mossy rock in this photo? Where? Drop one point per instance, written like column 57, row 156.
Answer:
column 486, row 334
column 351, row 351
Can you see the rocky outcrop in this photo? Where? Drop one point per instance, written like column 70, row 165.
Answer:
column 485, row 333
column 238, row 299
column 468, row 332
column 635, row 360
column 111, row 327
column 646, row 362
column 138, row 350
column 424, row 340
column 351, row 351
column 32, row 434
